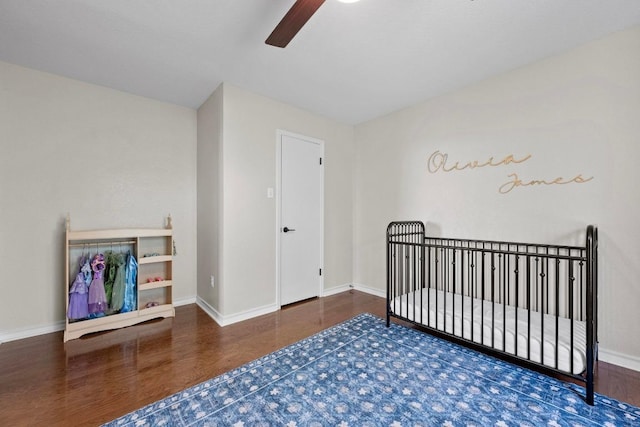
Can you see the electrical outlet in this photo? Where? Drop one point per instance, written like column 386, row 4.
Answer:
column 213, row 281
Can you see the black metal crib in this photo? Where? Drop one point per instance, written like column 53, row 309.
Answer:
column 535, row 304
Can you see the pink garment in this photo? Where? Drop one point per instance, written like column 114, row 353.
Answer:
column 97, row 297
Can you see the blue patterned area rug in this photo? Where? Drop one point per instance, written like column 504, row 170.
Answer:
column 361, row 373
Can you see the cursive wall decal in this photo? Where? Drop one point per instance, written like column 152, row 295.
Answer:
column 517, row 182
column 439, row 162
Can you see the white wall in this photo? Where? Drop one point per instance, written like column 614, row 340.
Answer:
column 248, row 218
column 575, row 113
column 209, row 165
column 110, row 159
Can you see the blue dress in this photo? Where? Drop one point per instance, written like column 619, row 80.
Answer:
column 130, row 280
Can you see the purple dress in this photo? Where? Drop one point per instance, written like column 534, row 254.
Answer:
column 97, row 297
column 79, row 293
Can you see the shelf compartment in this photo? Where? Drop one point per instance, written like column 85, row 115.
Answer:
column 154, row 285
column 156, row 311
column 159, row 295
column 154, row 259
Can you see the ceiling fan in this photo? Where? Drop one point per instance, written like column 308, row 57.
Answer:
column 293, row 21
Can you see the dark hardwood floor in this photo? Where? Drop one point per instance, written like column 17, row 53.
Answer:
column 95, row 379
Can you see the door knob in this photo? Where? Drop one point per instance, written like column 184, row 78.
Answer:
column 287, row 229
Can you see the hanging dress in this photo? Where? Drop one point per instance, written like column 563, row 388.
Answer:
column 79, row 294
column 130, row 279
column 86, row 270
column 109, row 275
column 97, row 298
column 117, row 296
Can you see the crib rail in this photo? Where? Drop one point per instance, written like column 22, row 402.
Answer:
column 476, row 291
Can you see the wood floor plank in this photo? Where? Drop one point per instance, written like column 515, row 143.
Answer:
column 92, row 380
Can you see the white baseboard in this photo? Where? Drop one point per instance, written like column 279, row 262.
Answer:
column 212, row 312
column 357, row 287
column 185, row 301
column 234, row 318
column 619, row 359
column 337, row 290
column 369, row 290
column 245, row 315
column 18, row 334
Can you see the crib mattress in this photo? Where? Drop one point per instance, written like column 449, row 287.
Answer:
column 494, row 325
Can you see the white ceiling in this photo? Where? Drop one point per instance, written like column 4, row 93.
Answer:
column 351, row 62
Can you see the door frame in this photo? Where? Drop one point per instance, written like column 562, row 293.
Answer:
column 279, row 134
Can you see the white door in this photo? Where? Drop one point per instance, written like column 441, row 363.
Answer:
column 300, row 225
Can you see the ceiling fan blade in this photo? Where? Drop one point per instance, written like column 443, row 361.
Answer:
column 293, row 21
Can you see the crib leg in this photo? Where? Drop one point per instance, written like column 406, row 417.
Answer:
column 589, row 384
column 591, row 356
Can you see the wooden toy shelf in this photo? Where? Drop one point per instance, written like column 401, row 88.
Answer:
column 153, row 251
